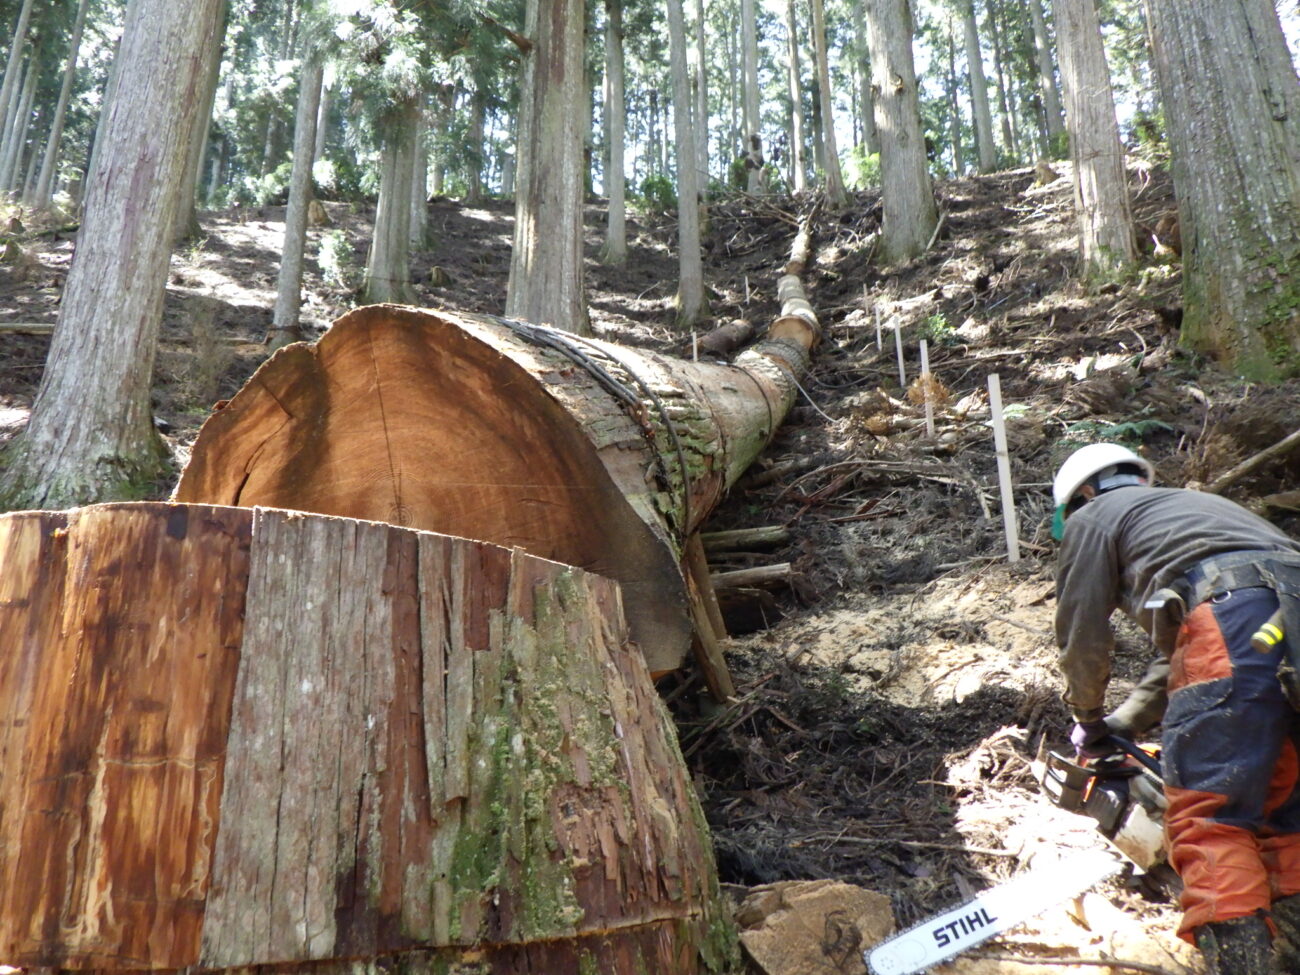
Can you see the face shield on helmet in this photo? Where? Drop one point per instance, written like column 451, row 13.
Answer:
column 1098, row 460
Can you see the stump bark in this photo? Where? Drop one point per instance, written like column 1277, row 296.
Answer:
column 577, row 450
column 236, row 737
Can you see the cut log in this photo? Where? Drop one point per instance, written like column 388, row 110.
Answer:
column 710, row 629
column 739, row 539
column 573, row 449
column 758, row 577
column 241, row 737
column 726, row 339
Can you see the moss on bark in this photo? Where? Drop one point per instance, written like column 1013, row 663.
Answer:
column 30, row 481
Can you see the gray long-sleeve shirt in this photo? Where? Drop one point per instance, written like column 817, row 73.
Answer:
column 1118, row 551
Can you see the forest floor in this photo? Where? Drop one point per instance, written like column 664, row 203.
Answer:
column 893, row 695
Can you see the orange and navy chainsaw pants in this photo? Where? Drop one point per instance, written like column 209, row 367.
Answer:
column 1229, row 755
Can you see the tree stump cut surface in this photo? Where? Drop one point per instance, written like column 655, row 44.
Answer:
column 237, row 737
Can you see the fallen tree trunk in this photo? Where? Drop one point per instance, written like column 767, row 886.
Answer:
column 243, row 737
column 576, row 450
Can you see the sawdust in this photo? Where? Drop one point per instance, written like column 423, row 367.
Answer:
column 1090, row 928
column 936, row 646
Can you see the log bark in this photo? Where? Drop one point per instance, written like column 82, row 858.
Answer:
column 739, row 539
column 244, row 737
column 726, row 339
column 909, row 215
column 286, row 320
column 758, row 577
column 710, row 629
column 579, row 451
column 1253, row 462
column 45, row 184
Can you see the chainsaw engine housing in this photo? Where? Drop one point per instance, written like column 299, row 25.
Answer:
column 1125, row 798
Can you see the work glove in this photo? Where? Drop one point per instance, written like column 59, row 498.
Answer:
column 1088, row 738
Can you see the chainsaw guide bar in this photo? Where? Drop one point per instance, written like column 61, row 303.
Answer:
column 995, row 910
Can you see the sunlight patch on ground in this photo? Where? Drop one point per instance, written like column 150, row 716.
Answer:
column 487, row 216
column 926, row 649
column 13, row 417
column 494, row 221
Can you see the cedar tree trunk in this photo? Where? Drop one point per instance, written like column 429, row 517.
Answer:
column 909, row 215
column 870, row 137
column 979, row 91
column 45, row 182
column 578, row 451
column 701, row 77
column 798, row 153
column 546, row 284
column 835, row 192
column 91, row 434
column 615, row 249
column 1046, row 77
column 751, row 108
column 13, row 66
column 288, row 297
column 1101, row 196
column 690, row 279
column 187, row 215
column 388, row 268
column 1232, row 103
column 11, row 153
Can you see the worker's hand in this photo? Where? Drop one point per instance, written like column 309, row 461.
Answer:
column 1087, row 737
column 1119, row 726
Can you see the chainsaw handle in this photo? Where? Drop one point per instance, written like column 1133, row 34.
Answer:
column 1133, row 751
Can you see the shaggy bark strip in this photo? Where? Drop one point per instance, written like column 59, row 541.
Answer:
column 281, row 738
column 121, row 626
column 580, row 451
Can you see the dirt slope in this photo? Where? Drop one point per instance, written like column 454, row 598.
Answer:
column 895, row 689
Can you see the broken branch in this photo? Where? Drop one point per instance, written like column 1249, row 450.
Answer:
column 1283, row 446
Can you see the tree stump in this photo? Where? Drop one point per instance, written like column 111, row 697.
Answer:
column 580, row 451
column 240, row 737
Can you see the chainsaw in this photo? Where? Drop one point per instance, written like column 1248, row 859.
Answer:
column 1121, row 790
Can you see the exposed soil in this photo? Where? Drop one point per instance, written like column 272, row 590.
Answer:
column 893, row 696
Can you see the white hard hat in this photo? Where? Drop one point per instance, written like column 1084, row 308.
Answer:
column 1090, row 460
